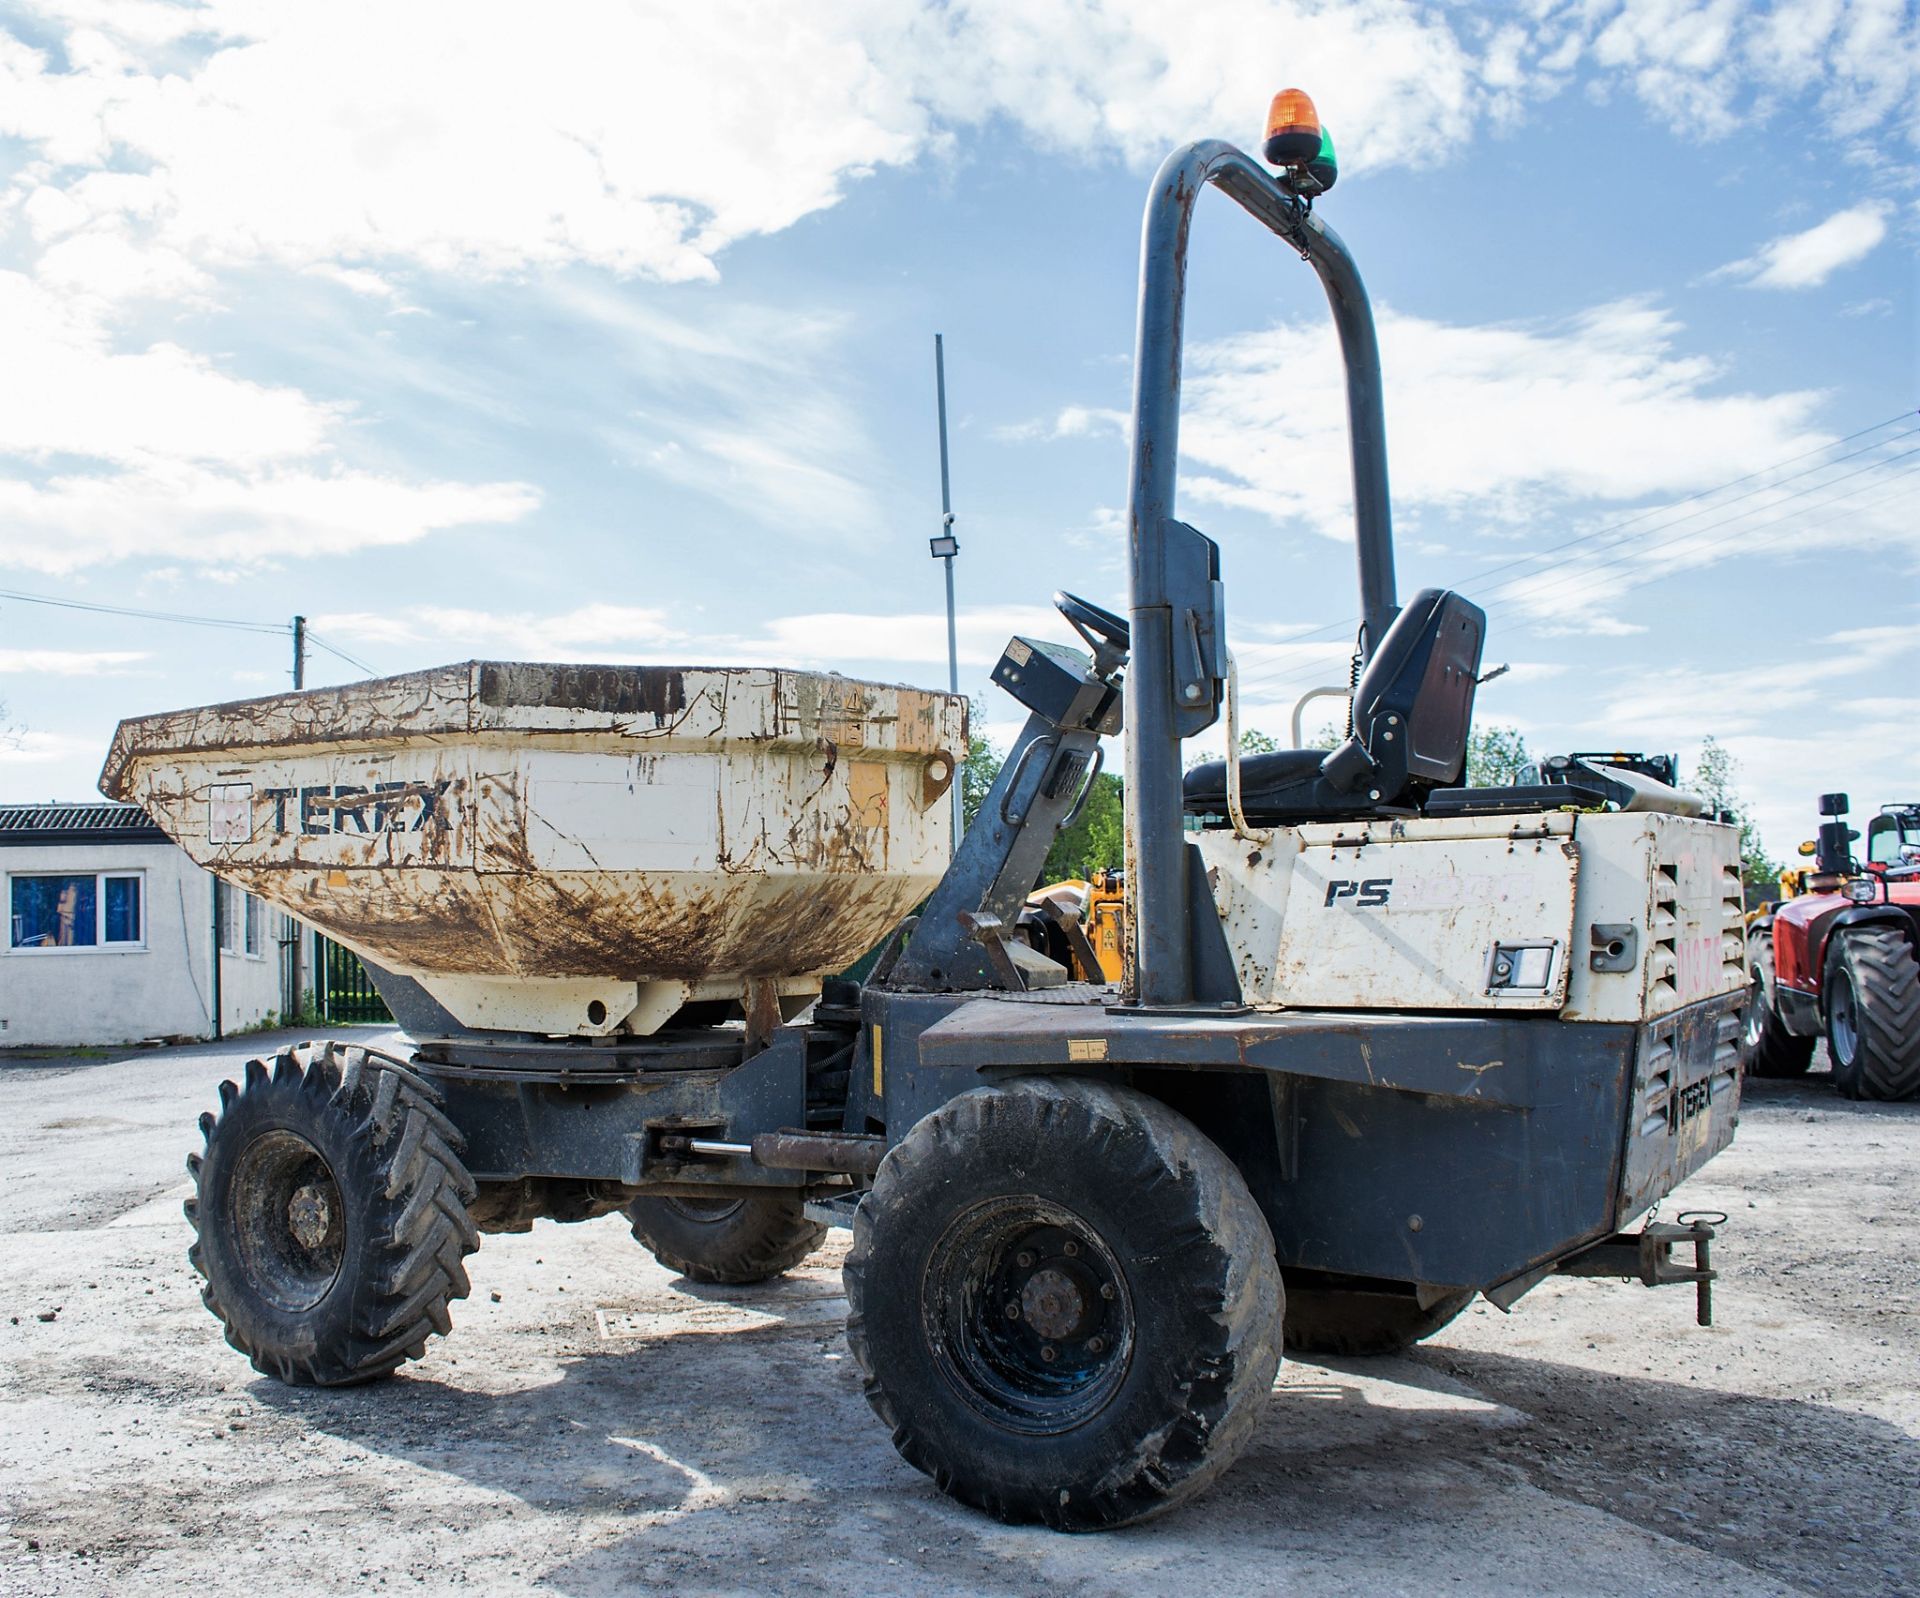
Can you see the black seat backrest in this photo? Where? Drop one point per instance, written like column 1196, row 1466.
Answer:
column 1414, row 705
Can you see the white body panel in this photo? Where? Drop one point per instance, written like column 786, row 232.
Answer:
column 1421, row 914
column 569, row 849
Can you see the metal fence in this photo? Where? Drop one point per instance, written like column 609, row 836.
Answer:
column 342, row 989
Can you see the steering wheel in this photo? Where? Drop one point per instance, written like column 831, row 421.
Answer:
column 1107, row 633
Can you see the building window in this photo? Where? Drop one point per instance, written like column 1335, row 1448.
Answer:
column 240, row 920
column 76, row 910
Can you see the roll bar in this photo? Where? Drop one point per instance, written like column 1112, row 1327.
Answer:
column 1164, row 704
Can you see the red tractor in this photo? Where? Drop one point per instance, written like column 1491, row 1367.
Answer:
column 1843, row 959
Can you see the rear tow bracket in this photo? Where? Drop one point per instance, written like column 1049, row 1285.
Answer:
column 1646, row 1257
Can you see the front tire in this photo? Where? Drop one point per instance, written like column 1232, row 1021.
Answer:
column 1065, row 1303
column 1325, row 1319
column 1872, row 995
column 729, row 1240
column 1767, row 1048
column 330, row 1216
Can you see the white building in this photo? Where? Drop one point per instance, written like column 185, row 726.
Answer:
column 112, row 935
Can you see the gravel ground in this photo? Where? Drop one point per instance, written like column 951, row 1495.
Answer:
column 595, row 1425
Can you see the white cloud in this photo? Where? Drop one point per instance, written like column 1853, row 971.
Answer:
column 1072, row 421
column 464, row 136
column 1516, row 430
column 804, row 464
column 480, row 632
column 81, row 397
column 167, row 145
column 1806, row 260
column 69, row 662
column 159, row 453
column 1711, row 66
column 29, row 747
column 242, row 519
column 1798, row 727
column 1502, row 420
column 616, row 634
column 647, row 137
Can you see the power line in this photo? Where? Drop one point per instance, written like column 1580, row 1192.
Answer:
column 144, row 615
column 1518, row 584
column 1332, row 630
column 1515, row 589
column 1771, row 532
column 334, row 649
column 1505, row 597
column 181, row 618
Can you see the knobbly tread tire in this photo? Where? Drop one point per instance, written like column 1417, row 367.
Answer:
column 1774, row 1052
column 765, row 1235
column 1324, row 1320
column 1881, row 964
column 394, row 1158
column 1200, row 1267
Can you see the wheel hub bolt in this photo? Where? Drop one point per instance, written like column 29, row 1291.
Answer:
column 1096, row 1345
column 1024, row 1259
column 309, row 1216
column 1070, row 1248
column 1106, row 1290
column 1013, row 1312
column 1049, row 1353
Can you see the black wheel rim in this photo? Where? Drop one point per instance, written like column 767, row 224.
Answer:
column 1029, row 1315
column 1756, row 1011
column 706, row 1212
column 1843, row 1024
column 289, row 1222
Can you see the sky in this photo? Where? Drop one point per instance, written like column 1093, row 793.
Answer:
column 604, row 332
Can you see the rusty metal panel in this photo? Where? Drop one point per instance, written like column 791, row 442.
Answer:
column 1426, row 924
column 561, row 828
column 1671, row 882
column 1685, row 1100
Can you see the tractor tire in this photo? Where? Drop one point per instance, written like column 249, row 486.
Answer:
column 330, row 1215
column 1343, row 1320
column 1872, row 995
column 727, row 1240
column 1767, row 1048
column 1065, row 1303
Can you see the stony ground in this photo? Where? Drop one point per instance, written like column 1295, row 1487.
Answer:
column 596, row 1426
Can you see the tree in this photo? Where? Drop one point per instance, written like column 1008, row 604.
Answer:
column 980, row 767
column 1095, row 841
column 1713, row 780
column 1495, row 756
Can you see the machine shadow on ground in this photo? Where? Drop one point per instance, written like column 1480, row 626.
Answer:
column 662, row 1431
column 1816, row 1091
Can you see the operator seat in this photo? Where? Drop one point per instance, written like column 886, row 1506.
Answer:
column 1411, row 712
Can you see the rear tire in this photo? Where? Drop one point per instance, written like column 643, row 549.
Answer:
column 728, row 1240
column 1872, row 996
column 330, row 1216
column 1338, row 1320
column 1767, row 1048
column 1065, row 1303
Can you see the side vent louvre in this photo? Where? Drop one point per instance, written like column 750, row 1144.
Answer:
column 1656, row 1098
column 1733, row 920
column 1664, row 967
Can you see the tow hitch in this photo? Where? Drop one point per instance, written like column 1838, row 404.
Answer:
column 1646, row 1256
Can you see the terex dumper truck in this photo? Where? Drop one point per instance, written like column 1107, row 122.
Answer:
column 1382, row 1042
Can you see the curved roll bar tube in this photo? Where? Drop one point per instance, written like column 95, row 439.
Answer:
column 1160, row 974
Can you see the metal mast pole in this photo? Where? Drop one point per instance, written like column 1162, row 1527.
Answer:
column 296, row 951
column 946, row 547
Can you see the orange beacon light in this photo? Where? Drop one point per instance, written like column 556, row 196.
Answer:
column 1293, row 129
